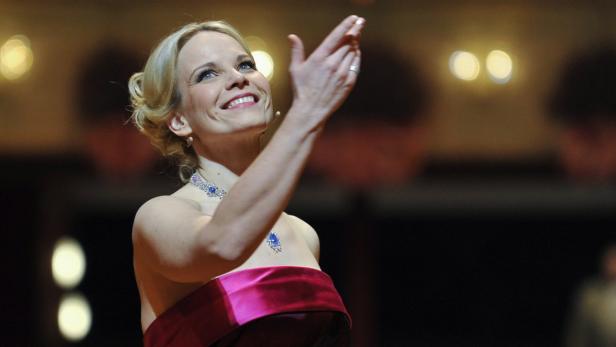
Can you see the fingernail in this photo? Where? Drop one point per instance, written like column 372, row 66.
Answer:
column 360, row 21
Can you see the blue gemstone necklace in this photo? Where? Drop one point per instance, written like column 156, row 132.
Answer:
column 273, row 241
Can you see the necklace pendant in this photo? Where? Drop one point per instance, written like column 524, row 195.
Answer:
column 273, row 241
column 210, row 189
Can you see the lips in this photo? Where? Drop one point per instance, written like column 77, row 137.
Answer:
column 246, row 99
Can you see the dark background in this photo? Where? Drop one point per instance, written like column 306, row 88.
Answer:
column 483, row 240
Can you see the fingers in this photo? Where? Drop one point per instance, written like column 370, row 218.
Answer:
column 345, row 64
column 336, row 59
column 352, row 66
column 351, row 25
column 355, row 30
column 297, row 50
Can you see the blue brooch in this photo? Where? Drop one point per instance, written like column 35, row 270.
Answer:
column 274, row 242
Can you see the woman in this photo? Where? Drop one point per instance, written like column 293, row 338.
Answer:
column 235, row 271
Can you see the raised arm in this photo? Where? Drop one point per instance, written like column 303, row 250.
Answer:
column 218, row 244
column 321, row 83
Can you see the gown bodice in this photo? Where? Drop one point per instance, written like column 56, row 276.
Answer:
column 266, row 306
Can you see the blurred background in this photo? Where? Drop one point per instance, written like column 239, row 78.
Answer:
column 464, row 194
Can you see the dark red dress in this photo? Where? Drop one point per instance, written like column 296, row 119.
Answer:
column 267, row 306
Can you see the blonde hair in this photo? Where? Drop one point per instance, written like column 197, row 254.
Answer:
column 154, row 93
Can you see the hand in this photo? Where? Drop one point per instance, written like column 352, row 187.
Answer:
column 322, row 82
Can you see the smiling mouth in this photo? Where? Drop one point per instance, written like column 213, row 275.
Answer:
column 241, row 101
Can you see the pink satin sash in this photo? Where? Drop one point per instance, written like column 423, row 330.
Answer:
column 237, row 298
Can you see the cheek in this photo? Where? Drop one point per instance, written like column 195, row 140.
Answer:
column 203, row 99
column 264, row 87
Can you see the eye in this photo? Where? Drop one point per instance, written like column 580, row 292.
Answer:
column 247, row 65
column 205, row 74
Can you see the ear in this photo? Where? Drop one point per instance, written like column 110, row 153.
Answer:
column 178, row 124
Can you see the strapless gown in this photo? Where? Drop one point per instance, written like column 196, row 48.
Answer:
column 267, row 306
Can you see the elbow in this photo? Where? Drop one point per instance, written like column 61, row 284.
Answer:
column 226, row 251
column 226, row 244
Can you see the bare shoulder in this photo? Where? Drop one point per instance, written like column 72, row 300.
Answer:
column 167, row 237
column 298, row 222
column 310, row 235
column 164, row 202
column 160, row 208
column 158, row 220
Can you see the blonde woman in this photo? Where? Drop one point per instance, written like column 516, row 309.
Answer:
column 218, row 262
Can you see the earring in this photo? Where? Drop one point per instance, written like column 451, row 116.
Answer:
column 189, row 141
column 277, row 114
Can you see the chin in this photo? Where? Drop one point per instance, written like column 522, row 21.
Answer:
column 254, row 128
column 258, row 119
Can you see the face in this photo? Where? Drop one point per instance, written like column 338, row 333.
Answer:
column 222, row 92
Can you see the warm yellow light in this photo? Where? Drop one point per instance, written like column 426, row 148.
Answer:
column 15, row 57
column 499, row 66
column 68, row 263
column 255, row 43
column 264, row 63
column 74, row 317
column 464, row 65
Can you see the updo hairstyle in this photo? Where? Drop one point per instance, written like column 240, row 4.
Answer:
column 154, row 94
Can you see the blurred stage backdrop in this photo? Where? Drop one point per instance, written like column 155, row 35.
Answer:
column 464, row 195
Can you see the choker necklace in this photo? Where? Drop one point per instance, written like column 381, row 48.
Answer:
column 273, row 241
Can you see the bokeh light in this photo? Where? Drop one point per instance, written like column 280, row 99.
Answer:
column 15, row 57
column 499, row 66
column 264, row 63
column 255, row 43
column 464, row 65
column 74, row 317
column 68, row 263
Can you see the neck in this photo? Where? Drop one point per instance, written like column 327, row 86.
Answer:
column 222, row 161
column 216, row 173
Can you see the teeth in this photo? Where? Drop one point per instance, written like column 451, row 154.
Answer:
column 241, row 101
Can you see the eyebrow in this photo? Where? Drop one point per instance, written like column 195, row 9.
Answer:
column 212, row 64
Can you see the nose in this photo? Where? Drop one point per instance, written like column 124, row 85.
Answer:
column 236, row 80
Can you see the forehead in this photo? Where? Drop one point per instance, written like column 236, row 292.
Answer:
column 208, row 46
